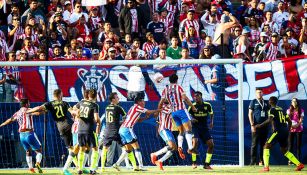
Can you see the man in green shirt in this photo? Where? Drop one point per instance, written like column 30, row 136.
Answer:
column 174, row 51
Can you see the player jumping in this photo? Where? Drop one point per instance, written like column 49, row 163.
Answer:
column 280, row 134
column 201, row 129
column 165, row 127
column 176, row 96
column 126, row 132
column 27, row 135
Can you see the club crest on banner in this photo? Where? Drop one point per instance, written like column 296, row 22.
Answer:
column 94, row 79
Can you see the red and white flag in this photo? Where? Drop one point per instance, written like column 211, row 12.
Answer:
column 94, row 2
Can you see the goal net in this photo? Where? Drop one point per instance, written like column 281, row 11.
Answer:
column 39, row 79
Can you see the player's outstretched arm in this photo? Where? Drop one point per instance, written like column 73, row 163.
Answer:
column 8, row 121
column 36, row 109
column 188, row 101
column 160, row 105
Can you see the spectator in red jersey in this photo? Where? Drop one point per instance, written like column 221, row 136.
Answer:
column 190, row 21
column 107, row 44
column 271, row 48
column 67, row 53
column 184, row 11
column 30, row 48
column 149, row 44
column 290, row 33
column 286, row 49
column 28, row 32
column 95, row 20
column 81, row 28
column 254, row 34
column 293, row 22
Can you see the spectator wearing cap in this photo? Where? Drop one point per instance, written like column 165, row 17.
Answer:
column 258, row 54
column 94, row 20
column 53, row 39
column 292, row 22
column 285, row 47
column 209, row 22
column 149, row 45
column 228, row 21
column 112, row 53
column 67, row 11
column 174, row 51
column 130, row 20
column 205, row 53
column 156, row 27
column 78, row 12
column 192, row 42
column 269, row 20
column 14, row 31
column 58, row 25
column 243, row 43
column 281, row 14
column 107, row 44
column 86, row 54
column 254, row 34
column 33, row 10
column 95, row 54
column 271, row 48
column 14, row 12
column 187, row 23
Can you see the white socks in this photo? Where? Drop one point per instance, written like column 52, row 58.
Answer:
column 180, row 140
column 162, row 151
column 29, row 161
column 166, row 156
column 138, row 156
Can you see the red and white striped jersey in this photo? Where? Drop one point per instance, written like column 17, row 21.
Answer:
column 271, row 51
column 34, row 38
column 133, row 115
column 165, row 118
column 134, row 20
column 186, row 24
column 24, row 120
column 148, row 47
column 173, row 93
column 74, row 127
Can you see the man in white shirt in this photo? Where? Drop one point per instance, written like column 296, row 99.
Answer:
column 67, row 12
column 281, row 15
column 136, row 83
column 269, row 20
column 77, row 14
column 209, row 25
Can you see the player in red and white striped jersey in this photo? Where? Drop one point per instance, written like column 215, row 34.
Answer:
column 27, row 135
column 176, row 96
column 165, row 127
column 126, row 132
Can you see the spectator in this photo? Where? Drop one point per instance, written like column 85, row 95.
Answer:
column 156, row 27
column 184, row 11
column 187, row 23
column 111, row 54
column 95, row 54
column 155, row 51
column 136, row 81
column 67, row 12
column 82, row 29
column 107, row 44
column 14, row 12
column 58, row 25
column 104, row 34
column 144, row 8
column 192, row 42
column 271, row 48
column 241, row 10
column 185, row 56
column 15, row 30
column 35, row 11
column 208, row 42
column 167, row 21
column 243, row 42
column 127, row 41
column 75, row 16
column 12, row 79
column 111, row 14
column 254, row 34
column 209, row 25
column 57, row 53
column 174, row 51
column 259, row 54
column 292, row 40
column 280, row 15
column 130, row 20
column 149, row 44
column 285, row 48
column 269, row 20
column 296, row 114
column 303, row 33
column 292, row 22
column 2, row 82
column 258, row 113
column 162, row 56
column 205, row 53
column 94, row 20
column 253, row 11
column 137, row 46
column 29, row 48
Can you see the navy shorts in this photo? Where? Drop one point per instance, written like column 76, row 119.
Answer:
column 201, row 133
column 88, row 139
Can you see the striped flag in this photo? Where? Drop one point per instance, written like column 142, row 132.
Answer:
column 94, row 2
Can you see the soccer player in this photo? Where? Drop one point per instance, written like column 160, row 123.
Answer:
column 126, row 132
column 200, row 127
column 113, row 113
column 59, row 110
column 280, row 134
column 176, row 96
column 87, row 137
column 27, row 135
column 165, row 127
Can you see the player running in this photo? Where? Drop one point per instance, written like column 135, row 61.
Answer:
column 27, row 135
column 87, row 137
column 126, row 132
column 200, row 128
column 59, row 110
column 176, row 96
column 113, row 115
column 165, row 131
column 280, row 134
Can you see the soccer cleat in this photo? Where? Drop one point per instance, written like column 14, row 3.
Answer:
column 265, row 169
column 181, row 154
column 32, row 170
column 93, row 172
column 207, row 166
column 115, row 166
column 38, row 168
column 194, row 165
column 299, row 167
column 153, row 158
column 260, row 163
column 136, row 169
column 80, row 172
column 66, row 172
column 159, row 164
column 85, row 171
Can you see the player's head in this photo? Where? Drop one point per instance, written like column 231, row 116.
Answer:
column 24, row 102
column 58, row 94
column 92, row 94
column 259, row 93
column 140, row 101
column 198, row 96
column 85, row 94
column 273, row 101
column 113, row 98
column 173, row 78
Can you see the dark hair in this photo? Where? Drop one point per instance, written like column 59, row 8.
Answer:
column 24, row 102
column 258, row 89
column 57, row 92
column 138, row 99
column 299, row 109
column 199, row 93
column 85, row 93
column 112, row 96
column 92, row 93
column 136, row 39
column 273, row 100
column 173, row 78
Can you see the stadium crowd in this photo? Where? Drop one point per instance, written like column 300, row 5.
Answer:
column 138, row 29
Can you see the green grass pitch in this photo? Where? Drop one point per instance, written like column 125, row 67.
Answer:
column 185, row 170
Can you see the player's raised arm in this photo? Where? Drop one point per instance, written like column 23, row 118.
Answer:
column 188, row 101
column 8, row 121
column 36, row 109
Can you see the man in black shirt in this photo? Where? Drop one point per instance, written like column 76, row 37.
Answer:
column 59, row 110
column 280, row 125
column 200, row 127
column 87, row 137
column 258, row 113
column 114, row 114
